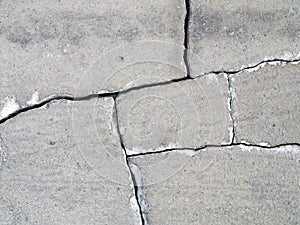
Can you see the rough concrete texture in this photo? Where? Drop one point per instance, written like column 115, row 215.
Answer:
column 231, row 34
column 224, row 186
column 50, row 177
column 191, row 113
column 51, row 46
column 266, row 105
column 149, row 112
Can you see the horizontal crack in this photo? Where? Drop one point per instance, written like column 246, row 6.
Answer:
column 116, row 93
column 251, row 67
column 87, row 97
column 213, row 146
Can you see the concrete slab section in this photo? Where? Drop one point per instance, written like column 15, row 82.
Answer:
column 266, row 105
column 190, row 113
column 50, row 47
column 59, row 170
column 231, row 34
column 224, row 186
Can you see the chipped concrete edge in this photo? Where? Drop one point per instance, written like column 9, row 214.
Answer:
column 137, row 173
column 10, row 106
column 134, row 199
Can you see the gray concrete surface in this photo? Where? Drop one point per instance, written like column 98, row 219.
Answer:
column 232, row 34
column 266, row 105
column 55, row 174
column 190, row 113
column 224, row 186
column 53, row 47
column 162, row 143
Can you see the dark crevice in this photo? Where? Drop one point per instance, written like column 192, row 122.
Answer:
column 133, row 179
column 186, row 38
column 88, row 97
column 117, row 93
column 213, row 146
column 231, row 108
column 251, row 67
column 52, row 99
column 163, row 83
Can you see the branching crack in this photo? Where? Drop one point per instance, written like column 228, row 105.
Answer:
column 117, row 93
column 186, row 38
column 87, row 97
column 132, row 175
column 213, row 146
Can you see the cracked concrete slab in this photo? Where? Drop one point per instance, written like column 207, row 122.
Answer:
column 266, row 105
column 223, row 186
column 190, row 113
column 54, row 48
column 228, row 35
column 107, row 115
column 65, row 166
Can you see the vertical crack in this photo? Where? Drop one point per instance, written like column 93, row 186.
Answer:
column 131, row 172
column 231, row 107
column 186, row 38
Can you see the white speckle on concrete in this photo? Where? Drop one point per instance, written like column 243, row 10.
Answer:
column 35, row 99
column 256, row 68
column 289, row 149
column 212, row 78
column 138, row 177
column 10, row 105
column 3, row 153
column 264, row 144
column 285, row 56
column 137, row 150
column 276, row 63
column 135, row 208
column 296, row 62
column 187, row 152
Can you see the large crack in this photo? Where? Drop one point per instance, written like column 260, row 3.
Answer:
column 87, row 97
column 114, row 95
column 135, row 184
column 213, row 146
column 186, row 38
column 117, row 93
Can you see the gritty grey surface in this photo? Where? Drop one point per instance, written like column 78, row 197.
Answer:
column 223, row 186
column 170, row 115
column 266, row 105
column 191, row 113
column 50, row 178
column 231, row 34
column 52, row 46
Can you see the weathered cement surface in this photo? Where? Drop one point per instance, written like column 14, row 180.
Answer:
column 227, row 35
column 66, row 164
column 51, row 176
column 53, row 46
column 191, row 113
column 224, row 186
column 267, row 105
